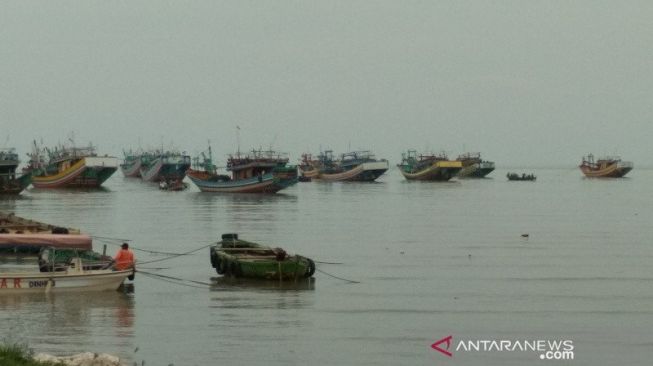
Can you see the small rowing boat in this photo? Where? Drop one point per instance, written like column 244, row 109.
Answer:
column 239, row 258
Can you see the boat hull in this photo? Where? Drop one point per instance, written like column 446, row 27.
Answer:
column 132, row 170
column 611, row 171
column 88, row 172
column 267, row 183
column 366, row 172
column 262, row 267
column 160, row 171
column 98, row 280
column 29, row 243
column 439, row 171
column 15, row 186
column 476, row 170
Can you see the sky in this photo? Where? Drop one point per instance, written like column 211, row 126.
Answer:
column 526, row 83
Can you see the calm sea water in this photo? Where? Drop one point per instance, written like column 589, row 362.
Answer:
column 433, row 259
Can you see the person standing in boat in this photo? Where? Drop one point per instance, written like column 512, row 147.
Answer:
column 124, row 258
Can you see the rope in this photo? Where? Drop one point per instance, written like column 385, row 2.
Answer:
column 176, row 255
column 175, row 278
column 334, row 276
column 327, row 262
column 157, row 277
column 140, row 250
column 106, row 237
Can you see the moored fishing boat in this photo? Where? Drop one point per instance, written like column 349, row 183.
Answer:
column 239, row 258
column 20, row 236
column 428, row 166
column 131, row 165
column 70, row 167
column 522, row 177
column 256, row 172
column 608, row 167
column 161, row 166
column 307, row 168
column 474, row 166
column 354, row 166
column 9, row 182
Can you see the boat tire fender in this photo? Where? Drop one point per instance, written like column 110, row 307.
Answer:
column 219, row 265
column 310, row 270
column 235, row 269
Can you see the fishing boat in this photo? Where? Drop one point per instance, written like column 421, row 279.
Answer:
column 161, row 166
column 9, row 182
column 521, row 177
column 239, row 258
column 430, row 167
column 307, row 168
column 354, row 166
column 24, row 237
column 474, row 166
column 69, row 279
column 70, row 167
column 131, row 165
column 608, row 167
column 257, row 172
column 173, row 185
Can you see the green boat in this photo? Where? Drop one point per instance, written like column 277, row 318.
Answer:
column 243, row 259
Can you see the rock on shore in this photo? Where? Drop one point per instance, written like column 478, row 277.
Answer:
column 82, row 359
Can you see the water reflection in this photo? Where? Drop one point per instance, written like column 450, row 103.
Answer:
column 50, row 320
column 236, row 284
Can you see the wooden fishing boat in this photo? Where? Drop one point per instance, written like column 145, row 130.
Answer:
column 70, row 167
column 239, row 258
column 522, row 177
column 73, row 278
column 474, row 166
column 256, row 172
column 24, row 237
column 308, row 168
column 161, row 166
column 354, row 166
column 9, row 182
column 131, row 165
column 428, row 166
column 608, row 167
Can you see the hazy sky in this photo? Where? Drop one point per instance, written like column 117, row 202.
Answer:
column 523, row 82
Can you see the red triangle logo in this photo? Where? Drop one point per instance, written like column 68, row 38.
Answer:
column 447, row 340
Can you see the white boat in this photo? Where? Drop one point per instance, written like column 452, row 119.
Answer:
column 74, row 278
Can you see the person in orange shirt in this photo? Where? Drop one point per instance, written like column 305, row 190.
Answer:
column 124, row 258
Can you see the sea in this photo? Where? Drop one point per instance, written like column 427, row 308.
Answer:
column 481, row 269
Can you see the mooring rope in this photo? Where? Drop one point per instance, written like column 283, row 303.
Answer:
column 176, row 255
column 175, row 281
column 138, row 249
column 334, row 276
column 327, row 262
column 174, row 278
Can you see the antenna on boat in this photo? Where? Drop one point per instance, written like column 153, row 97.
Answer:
column 238, row 140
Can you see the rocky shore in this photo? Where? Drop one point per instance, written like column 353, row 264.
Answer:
column 82, row 359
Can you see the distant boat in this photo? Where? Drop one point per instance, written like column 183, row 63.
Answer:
column 131, row 165
column 428, row 166
column 257, row 172
column 159, row 166
column 70, row 167
column 243, row 259
column 474, row 166
column 354, row 166
column 9, row 182
column 523, row 176
column 308, row 168
column 608, row 167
